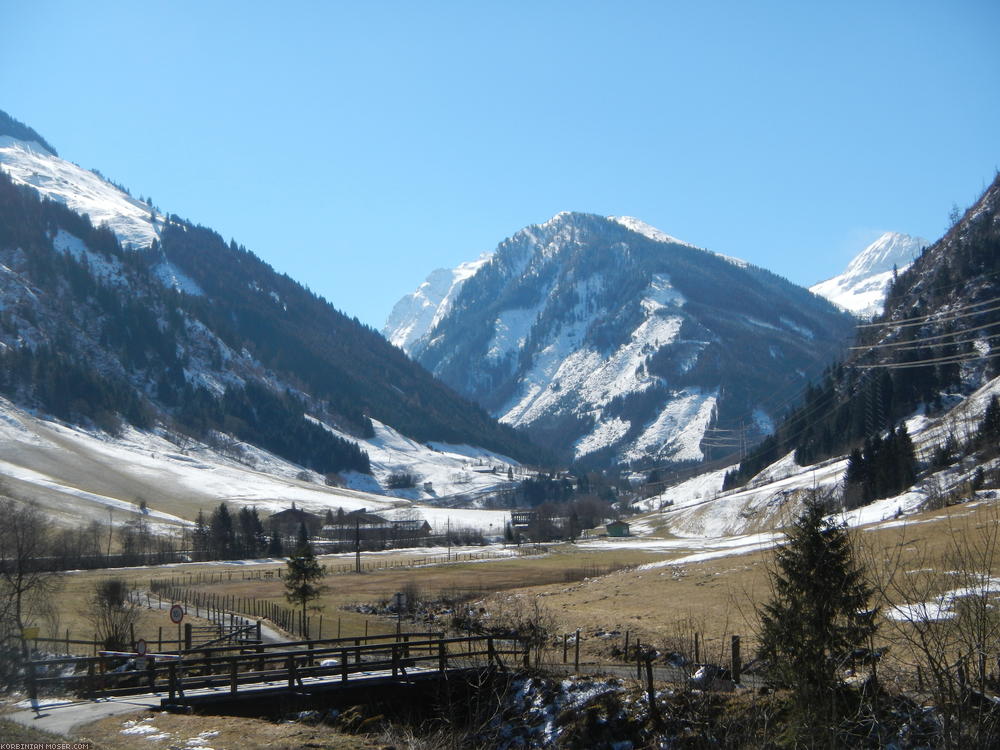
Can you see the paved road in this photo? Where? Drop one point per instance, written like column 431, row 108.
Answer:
column 64, row 717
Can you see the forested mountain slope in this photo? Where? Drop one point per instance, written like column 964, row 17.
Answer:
column 178, row 327
column 935, row 343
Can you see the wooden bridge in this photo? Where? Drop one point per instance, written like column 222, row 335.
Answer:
column 235, row 672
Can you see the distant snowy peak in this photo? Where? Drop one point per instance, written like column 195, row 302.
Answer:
column 416, row 314
column 862, row 287
column 31, row 163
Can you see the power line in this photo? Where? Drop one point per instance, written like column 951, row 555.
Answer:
column 954, row 359
column 925, row 339
column 928, row 318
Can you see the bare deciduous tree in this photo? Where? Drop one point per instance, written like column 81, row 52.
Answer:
column 26, row 577
column 113, row 613
column 941, row 612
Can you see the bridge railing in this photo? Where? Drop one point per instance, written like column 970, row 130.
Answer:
column 291, row 663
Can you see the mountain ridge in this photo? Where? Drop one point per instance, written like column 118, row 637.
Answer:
column 590, row 331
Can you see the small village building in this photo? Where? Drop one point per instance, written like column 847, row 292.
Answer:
column 522, row 519
column 618, row 528
column 287, row 522
column 411, row 527
column 360, row 525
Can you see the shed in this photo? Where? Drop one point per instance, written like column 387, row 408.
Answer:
column 618, row 528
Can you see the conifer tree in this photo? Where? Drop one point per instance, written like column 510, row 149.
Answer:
column 304, row 575
column 818, row 615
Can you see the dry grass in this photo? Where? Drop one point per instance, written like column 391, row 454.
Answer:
column 663, row 606
column 218, row 732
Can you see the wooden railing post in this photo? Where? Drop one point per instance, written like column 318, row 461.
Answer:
column 172, row 680
column 442, row 656
column 232, row 674
column 343, row 664
column 491, row 650
column 290, row 666
column 395, row 660
column 527, row 653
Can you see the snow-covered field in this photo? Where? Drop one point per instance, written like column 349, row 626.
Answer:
column 77, row 475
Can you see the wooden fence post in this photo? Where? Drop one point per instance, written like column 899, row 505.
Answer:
column 576, row 658
column 654, row 710
column 737, row 664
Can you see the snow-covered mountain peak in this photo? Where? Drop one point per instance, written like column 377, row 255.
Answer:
column 890, row 249
column 416, row 314
column 30, row 163
column 862, row 287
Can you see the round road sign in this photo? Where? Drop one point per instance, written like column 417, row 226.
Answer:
column 141, row 647
column 176, row 614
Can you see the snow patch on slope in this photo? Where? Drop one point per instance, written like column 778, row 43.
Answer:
column 566, row 371
column 174, row 278
column 438, row 469
column 511, row 331
column 678, row 430
column 108, row 270
column 79, row 189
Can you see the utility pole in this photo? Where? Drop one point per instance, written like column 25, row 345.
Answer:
column 357, row 545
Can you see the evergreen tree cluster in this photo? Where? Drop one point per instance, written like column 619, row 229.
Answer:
column 277, row 422
column 883, row 468
column 17, row 129
column 224, row 536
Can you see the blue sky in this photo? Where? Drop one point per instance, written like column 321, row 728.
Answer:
column 358, row 146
